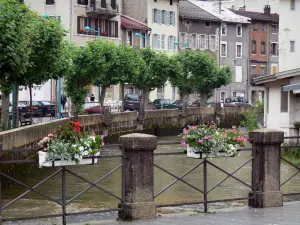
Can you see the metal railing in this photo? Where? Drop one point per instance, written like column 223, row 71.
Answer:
column 63, row 171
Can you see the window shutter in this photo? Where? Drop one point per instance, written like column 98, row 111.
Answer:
column 206, row 41
column 117, row 29
column 190, row 41
column 169, row 42
column 158, row 41
column 217, row 43
column 78, row 24
column 163, row 41
column 159, row 16
column 180, row 39
column 153, row 15
column 153, row 40
column 174, row 19
column 271, row 49
column 168, row 17
column 277, row 50
column 198, row 41
column 210, row 42
column 186, row 40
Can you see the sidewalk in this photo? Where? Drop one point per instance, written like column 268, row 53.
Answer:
column 287, row 215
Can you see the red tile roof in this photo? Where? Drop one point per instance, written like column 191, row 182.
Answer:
column 127, row 22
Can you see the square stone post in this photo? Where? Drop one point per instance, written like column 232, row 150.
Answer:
column 138, row 176
column 266, row 168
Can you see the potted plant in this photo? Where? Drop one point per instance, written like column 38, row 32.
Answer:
column 69, row 146
column 208, row 140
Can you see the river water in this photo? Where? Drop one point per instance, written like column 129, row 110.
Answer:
column 94, row 199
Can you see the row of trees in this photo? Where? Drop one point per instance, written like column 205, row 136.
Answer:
column 33, row 50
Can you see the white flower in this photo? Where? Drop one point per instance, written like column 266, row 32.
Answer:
column 85, row 153
column 81, row 148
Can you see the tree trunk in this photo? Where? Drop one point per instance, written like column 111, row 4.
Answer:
column 16, row 111
column 30, row 99
column 56, row 100
column 185, row 101
column 103, row 92
column 203, row 99
column 146, row 99
column 5, row 122
column 122, row 96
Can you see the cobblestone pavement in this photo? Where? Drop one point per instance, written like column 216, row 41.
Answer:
column 287, row 215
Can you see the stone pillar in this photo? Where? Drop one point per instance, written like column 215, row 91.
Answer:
column 138, row 176
column 266, row 168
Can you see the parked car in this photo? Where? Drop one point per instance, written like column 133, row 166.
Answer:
column 36, row 107
column 164, row 104
column 237, row 102
column 48, row 108
column 132, row 102
column 22, row 109
column 93, row 108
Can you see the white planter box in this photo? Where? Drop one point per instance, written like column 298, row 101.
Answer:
column 191, row 153
column 42, row 159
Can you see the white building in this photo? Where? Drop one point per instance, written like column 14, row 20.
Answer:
column 282, row 101
column 252, row 5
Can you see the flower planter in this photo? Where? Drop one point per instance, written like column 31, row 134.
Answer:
column 193, row 153
column 42, row 159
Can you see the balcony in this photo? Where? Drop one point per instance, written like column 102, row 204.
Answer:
column 254, row 76
column 101, row 9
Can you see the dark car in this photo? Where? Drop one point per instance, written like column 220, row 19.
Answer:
column 179, row 104
column 237, row 102
column 93, row 108
column 132, row 102
column 22, row 109
column 164, row 104
column 48, row 108
column 36, row 108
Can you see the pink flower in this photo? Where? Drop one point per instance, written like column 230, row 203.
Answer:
column 102, row 137
column 183, row 143
column 185, row 131
column 50, row 135
column 102, row 144
column 206, row 138
column 200, row 141
column 233, row 127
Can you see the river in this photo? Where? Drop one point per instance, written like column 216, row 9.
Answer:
column 94, row 199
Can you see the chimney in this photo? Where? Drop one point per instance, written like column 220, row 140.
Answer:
column 267, row 9
column 218, row 7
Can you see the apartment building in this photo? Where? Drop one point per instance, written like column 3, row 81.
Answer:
column 264, row 48
column 282, row 99
column 102, row 16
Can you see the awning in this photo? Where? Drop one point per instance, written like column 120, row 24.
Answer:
column 293, row 87
column 127, row 22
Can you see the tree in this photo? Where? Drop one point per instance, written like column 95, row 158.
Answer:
column 159, row 67
column 14, row 51
column 199, row 73
column 47, row 52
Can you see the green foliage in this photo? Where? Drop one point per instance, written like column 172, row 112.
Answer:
column 250, row 120
column 260, row 107
column 199, row 72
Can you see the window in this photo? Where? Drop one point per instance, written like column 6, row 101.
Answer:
column 222, row 96
column 254, row 27
column 274, row 28
column 239, row 50
column 292, row 46
column 171, row 2
column 83, row 2
column 239, row 30
column 155, row 15
column 50, row 2
column 253, row 48
column 223, row 49
column 293, row 5
column 212, row 42
column 253, row 70
column 161, row 93
column 163, row 17
column 163, row 37
column 284, row 101
column 172, row 18
column 274, row 49
column 263, row 28
column 129, row 38
column 207, row 24
column 223, row 29
column 267, row 98
column 171, row 45
column 274, row 68
column 143, row 41
column 238, row 73
column 263, row 71
column 181, row 40
column 155, row 41
column 262, row 48
column 234, row 94
column 194, row 41
column 202, row 41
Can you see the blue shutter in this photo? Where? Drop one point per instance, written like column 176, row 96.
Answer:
column 168, row 17
column 153, row 15
column 163, row 41
column 153, row 40
column 159, row 17
column 158, row 41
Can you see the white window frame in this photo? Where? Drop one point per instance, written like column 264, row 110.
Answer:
column 156, row 18
column 223, row 43
column 234, row 94
column 276, row 32
column 294, row 42
column 127, row 38
column 240, row 81
column 277, row 51
column 210, row 42
column 171, row 46
column 192, row 47
column 204, row 39
column 163, row 41
column 236, row 48
column 225, row 27
column 163, row 17
column 143, row 40
column 263, row 66
column 241, row 26
column 225, row 96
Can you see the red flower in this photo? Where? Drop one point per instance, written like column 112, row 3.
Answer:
column 76, row 126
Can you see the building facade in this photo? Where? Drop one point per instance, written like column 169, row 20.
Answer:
column 264, row 48
column 282, row 100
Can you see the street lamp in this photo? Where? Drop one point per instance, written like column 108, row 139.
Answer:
column 180, row 44
column 141, row 36
column 88, row 29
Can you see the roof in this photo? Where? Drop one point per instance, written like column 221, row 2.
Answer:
column 277, row 76
column 127, row 22
column 226, row 15
column 272, row 17
column 191, row 11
